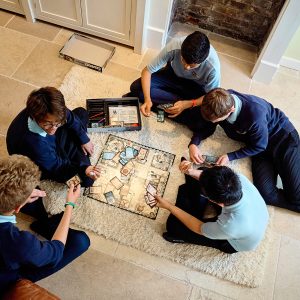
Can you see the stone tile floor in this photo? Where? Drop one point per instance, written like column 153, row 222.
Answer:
column 28, row 60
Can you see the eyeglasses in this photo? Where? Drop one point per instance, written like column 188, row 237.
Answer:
column 49, row 125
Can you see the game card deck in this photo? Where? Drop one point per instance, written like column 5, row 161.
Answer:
column 160, row 116
column 151, row 189
column 75, row 180
column 165, row 106
column 110, row 198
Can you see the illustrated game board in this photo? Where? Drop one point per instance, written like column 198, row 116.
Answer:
column 130, row 174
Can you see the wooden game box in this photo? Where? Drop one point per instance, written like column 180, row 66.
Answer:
column 113, row 114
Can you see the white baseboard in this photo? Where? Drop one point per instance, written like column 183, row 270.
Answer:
column 264, row 71
column 290, row 63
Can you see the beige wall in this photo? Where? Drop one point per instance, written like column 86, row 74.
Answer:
column 293, row 50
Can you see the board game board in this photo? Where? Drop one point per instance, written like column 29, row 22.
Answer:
column 130, row 174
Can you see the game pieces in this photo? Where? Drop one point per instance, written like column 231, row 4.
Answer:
column 160, row 115
column 134, row 173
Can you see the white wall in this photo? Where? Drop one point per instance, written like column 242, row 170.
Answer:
column 291, row 57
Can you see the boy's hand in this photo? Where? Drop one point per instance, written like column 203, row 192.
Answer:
column 186, row 167
column 93, row 172
column 161, row 202
column 146, row 108
column 73, row 193
column 88, row 148
column 222, row 160
column 195, row 154
column 36, row 194
column 177, row 109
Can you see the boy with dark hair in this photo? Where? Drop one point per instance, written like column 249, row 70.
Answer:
column 192, row 69
column 22, row 255
column 270, row 140
column 241, row 223
column 53, row 137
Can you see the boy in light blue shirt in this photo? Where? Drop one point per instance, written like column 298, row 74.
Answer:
column 186, row 69
column 243, row 220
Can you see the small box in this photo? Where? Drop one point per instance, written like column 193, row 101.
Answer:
column 87, row 52
column 113, row 114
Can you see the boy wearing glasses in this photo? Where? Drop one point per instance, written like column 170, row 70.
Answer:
column 184, row 70
column 243, row 217
column 54, row 137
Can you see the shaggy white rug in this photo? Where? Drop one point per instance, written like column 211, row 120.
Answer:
column 140, row 232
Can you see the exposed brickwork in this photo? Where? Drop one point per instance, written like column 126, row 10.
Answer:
column 245, row 20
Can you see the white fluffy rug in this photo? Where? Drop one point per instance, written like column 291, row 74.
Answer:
column 140, row 232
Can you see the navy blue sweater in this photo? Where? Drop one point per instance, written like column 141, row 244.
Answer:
column 257, row 123
column 22, row 249
column 43, row 150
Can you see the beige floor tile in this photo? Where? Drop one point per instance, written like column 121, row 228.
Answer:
column 288, row 71
column 43, row 66
column 98, row 276
column 63, row 36
column 13, row 95
column 5, row 16
column 233, row 47
column 288, row 275
column 151, row 262
column 39, row 29
column 102, row 244
column 15, row 47
column 121, row 72
column 287, row 223
column 203, row 294
column 235, row 74
column 125, row 56
column 283, row 92
column 3, row 150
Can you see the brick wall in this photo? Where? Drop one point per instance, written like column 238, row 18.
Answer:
column 245, row 20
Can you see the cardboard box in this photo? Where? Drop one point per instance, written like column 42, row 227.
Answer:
column 114, row 114
column 87, row 52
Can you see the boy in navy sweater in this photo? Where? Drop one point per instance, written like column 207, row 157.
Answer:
column 270, row 139
column 53, row 137
column 22, row 255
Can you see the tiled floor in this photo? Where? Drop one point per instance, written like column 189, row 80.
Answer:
column 29, row 59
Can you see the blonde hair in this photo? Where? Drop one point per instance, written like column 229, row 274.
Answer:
column 18, row 177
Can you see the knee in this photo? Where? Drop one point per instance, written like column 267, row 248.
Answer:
column 136, row 86
column 80, row 240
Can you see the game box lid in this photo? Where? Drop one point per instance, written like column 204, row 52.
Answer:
column 87, row 52
column 113, row 114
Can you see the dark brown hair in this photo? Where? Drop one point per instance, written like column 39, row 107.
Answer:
column 216, row 104
column 18, row 177
column 46, row 100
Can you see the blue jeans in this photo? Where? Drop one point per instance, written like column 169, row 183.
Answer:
column 167, row 87
column 77, row 243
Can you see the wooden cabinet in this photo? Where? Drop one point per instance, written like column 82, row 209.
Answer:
column 12, row 5
column 110, row 19
column 68, row 11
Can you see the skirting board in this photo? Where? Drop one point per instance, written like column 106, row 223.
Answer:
column 290, row 63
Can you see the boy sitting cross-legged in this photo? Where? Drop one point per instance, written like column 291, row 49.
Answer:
column 22, row 254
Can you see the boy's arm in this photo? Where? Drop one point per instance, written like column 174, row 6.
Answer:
column 188, row 220
column 62, row 230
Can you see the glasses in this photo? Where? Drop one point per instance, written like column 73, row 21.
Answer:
column 188, row 66
column 49, row 125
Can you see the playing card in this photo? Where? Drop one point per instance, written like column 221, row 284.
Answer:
column 75, row 180
column 151, row 189
column 95, row 190
column 210, row 159
column 129, row 153
column 110, row 198
column 165, row 106
column 108, row 155
column 116, row 183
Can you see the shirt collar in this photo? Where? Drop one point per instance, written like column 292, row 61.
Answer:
column 34, row 127
column 8, row 219
column 237, row 105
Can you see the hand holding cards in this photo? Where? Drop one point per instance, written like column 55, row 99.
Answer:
column 75, row 181
column 149, row 197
